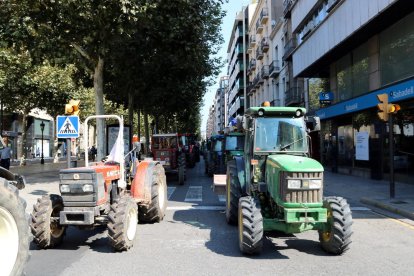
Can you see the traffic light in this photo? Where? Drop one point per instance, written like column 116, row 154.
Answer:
column 394, row 108
column 383, row 106
column 72, row 108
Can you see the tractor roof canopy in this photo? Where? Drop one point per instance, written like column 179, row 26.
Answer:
column 276, row 111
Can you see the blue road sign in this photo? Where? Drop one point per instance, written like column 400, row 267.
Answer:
column 67, row 127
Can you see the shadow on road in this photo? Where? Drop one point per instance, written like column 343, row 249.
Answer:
column 76, row 238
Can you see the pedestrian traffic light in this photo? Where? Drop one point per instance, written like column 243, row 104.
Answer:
column 394, row 108
column 383, row 106
column 72, row 108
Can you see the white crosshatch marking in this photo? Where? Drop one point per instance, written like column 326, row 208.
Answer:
column 194, row 193
column 170, row 191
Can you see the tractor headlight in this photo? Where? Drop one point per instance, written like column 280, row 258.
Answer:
column 65, row 188
column 294, row 184
column 87, row 188
column 315, row 183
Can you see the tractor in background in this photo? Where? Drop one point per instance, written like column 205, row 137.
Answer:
column 99, row 194
column 276, row 186
column 189, row 145
column 166, row 150
column 215, row 159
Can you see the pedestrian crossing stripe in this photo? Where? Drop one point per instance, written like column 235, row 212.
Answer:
column 67, row 126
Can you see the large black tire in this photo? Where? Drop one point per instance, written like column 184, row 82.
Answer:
column 337, row 236
column 181, row 169
column 250, row 226
column 46, row 230
column 14, row 230
column 233, row 193
column 155, row 212
column 122, row 223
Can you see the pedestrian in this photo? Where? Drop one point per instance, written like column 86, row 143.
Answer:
column 5, row 157
column 93, row 153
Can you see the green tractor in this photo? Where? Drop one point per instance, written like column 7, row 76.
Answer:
column 275, row 186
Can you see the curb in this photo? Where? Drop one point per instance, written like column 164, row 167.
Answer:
column 381, row 205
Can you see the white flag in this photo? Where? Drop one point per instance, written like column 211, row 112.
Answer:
column 117, row 151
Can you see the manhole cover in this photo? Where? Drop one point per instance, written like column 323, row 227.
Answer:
column 399, row 202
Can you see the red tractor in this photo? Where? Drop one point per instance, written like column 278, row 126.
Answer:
column 99, row 194
column 168, row 149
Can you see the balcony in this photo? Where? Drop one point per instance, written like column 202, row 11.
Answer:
column 252, row 65
column 259, row 76
column 240, row 50
column 264, row 44
column 293, row 96
column 252, row 40
column 259, row 27
column 264, row 73
column 241, row 66
column 259, row 54
column 264, row 16
column 274, row 69
column 256, row 81
column 289, row 48
column 287, row 7
column 240, row 84
column 251, row 88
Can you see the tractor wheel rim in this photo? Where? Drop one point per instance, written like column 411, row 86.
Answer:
column 132, row 223
column 326, row 235
column 240, row 225
column 161, row 196
column 9, row 239
column 56, row 231
column 228, row 195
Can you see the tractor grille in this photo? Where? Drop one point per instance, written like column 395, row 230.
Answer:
column 300, row 195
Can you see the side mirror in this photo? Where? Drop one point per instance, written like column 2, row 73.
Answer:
column 313, row 123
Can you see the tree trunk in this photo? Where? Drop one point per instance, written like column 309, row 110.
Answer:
column 146, row 125
column 23, row 145
column 139, row 124
column 131, row 116
column 99, row 106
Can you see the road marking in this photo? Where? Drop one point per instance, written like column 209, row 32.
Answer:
column 192, row 207
column 394, row 219
column 222, row 198
column 360, row 209
column 170, row 191
column 194, row 193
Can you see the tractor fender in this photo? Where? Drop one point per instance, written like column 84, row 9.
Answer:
column 141, row 185
column 15, row 179
column 241, row 172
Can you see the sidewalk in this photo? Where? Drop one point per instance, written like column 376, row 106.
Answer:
column 372, row 192
column 34, row 166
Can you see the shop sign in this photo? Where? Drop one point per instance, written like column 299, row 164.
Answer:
column 398, row 92
column 326, row 97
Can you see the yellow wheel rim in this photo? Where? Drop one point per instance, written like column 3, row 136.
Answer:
column 326, row 236
column 240, row 224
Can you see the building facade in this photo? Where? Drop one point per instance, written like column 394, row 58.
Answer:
column 362, row 49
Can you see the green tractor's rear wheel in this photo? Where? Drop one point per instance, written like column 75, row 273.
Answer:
column 336, row 237
column 122, row 223
column 233, row 193
column 45, row 226
column 14, row 230
column 250, row 226
column 155, row 212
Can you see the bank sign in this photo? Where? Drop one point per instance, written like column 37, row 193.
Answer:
column 398, row 92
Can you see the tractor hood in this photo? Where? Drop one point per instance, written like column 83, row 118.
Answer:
column 292, row 163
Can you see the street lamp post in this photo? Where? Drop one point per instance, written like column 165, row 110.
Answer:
column 42, row 128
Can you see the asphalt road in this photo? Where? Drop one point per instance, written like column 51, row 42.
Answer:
column 194, row 239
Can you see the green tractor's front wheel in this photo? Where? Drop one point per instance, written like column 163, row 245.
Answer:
column 233, row 193
column 250, row 226
column 335, row 238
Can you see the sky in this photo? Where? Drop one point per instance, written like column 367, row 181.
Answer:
column 231, row 8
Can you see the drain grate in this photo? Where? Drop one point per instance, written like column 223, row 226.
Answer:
column 399, row 202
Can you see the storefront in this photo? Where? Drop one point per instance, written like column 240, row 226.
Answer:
column 355, row 141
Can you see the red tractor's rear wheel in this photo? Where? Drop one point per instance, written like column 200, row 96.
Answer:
column 155, row 211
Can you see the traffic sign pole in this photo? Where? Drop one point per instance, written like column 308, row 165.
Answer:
column 68, row 151
column 391, row 142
